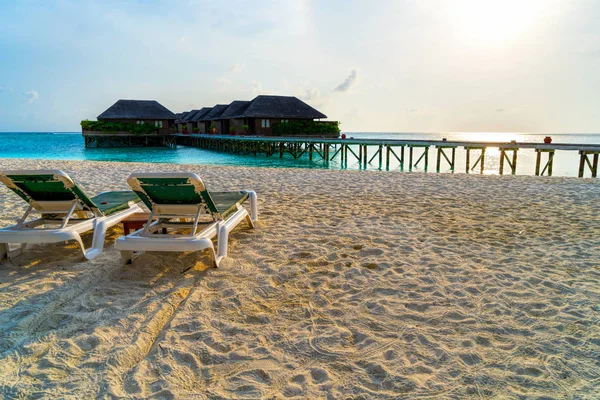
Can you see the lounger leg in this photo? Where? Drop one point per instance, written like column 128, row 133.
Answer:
column 222, row 240
column 77, row 238
column 3, row 251
column 126, row 257
column 253, row 205
column 216, row 259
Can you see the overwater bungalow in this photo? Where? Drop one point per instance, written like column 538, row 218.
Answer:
column 198, row 123
column 264, row 112
column 178, row 120
column 141, row 112
column 229, row 120
column 148, row 123
column 213, row 118
column 186, row 125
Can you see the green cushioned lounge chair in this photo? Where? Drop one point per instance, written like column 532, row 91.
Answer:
column 65, row 211
column 188, row 215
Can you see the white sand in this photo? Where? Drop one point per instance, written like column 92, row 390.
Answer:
column 354, row 284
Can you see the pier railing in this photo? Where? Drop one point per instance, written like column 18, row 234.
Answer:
column 405, row 152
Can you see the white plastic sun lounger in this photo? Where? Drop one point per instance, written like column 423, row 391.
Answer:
column 188, row 215
column 65, row 211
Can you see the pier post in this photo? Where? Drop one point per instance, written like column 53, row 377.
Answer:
column 468, row 159
column 402, row 157
column 380, row 155
column 441, row 153
column 410, row 157
column 424, row 156
column 346, row 154
column 360, row 150
column 513, row 164
column 387, row 157
column 538, row 161
column 583, row 160
column 480, row 160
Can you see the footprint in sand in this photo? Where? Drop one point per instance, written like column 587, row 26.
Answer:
column 319, row 375
column 370, row 252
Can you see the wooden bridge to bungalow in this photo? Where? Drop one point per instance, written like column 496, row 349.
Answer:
column 408, row 153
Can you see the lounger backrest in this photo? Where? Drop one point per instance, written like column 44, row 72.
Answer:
column 171, row 189
column 46, row 185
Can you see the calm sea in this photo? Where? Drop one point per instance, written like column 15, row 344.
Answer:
column 69, row 146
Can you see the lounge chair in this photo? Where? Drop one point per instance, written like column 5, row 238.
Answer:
column 65, row 211
column 188, row 215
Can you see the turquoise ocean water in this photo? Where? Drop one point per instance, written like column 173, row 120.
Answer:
column 69, row 146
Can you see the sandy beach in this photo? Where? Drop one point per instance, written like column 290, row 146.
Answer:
column 354, row 284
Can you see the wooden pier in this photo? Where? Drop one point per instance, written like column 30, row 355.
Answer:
column 382, row 151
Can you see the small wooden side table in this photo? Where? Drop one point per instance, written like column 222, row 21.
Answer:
column 134, row 222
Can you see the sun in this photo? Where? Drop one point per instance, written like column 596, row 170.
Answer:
column 494, row 22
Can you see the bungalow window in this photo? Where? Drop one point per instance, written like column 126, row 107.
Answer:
column 285, row 120
column 265, row 123
column 158, row 124
column 139, row 122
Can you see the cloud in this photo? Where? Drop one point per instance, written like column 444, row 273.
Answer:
column 1, row 89
column 309, row 94
column 31, row 97
column 499, row 109
column 257, row 87
column 224, row 81
column 348, row 83
column 412, row 110
column 237, row 68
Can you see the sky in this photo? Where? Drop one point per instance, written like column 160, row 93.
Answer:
column 376, row 66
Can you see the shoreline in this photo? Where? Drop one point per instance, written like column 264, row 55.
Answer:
column 377, row 285
column 565, row 162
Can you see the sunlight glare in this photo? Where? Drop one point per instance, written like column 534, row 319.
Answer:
column 494, row 22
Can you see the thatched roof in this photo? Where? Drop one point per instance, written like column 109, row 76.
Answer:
column 216, row 112
column 235, row 108
column 180, row 116
column 137, row 109
column 189, row 116
column 199, row 116
column 278, row 107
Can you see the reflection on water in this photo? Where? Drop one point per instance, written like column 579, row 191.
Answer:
column 70, row 147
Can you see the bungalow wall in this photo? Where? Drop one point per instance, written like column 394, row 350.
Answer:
column 217, row 124
column 238, row 124
column 168, row 125
column 201, row 127
column 255, row 125
column 224, row 126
